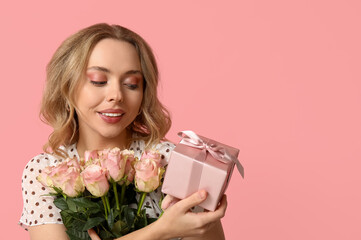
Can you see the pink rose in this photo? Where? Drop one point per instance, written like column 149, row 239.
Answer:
column 89, row 156
column 114, row 163
column 148, row 171
column 72, row 184
column 73, row 162
column 103, row 153
column 95, row 180
column 129, row 172
column 152, row 154
column 65, row 177
column 44, row 177
column 54, row 174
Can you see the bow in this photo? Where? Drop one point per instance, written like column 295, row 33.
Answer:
column 191, row 139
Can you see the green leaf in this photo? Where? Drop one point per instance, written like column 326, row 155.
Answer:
column 118, row 227
column 110, row 219
column 106, row 235
column 67, row 218
column 79, row 225
column 141, row 220
column 117, row 212
column 77, row 235
column 71, row 204
column 58, row 190
column 93, row 210
column 129, row 214
column 84, row 202
column 61, row 203
column 75, row 215
column 92, row 222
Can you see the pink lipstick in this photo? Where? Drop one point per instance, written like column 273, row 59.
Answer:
column 111, row 115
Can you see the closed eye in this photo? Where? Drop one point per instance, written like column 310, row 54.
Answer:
column 97, row 83
column 132, row 86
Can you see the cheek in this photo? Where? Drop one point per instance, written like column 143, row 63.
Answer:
column 87, row 98
column 136, row 101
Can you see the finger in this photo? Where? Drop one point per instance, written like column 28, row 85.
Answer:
column 192, row 201
column 208, row 217
column 222, row 207
column 93, row 235
column 168, row 201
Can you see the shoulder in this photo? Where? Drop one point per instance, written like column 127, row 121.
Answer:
column 34, row 166
column 43, row 160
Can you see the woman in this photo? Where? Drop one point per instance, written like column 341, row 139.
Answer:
column 101, row 93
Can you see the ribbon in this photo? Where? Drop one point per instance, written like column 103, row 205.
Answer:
column 191, row 139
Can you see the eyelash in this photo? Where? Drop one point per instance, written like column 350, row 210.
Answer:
column 99, row 84
column 132, row 86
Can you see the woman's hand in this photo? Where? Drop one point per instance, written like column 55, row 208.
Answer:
column 169, row 201
column 93, row 235
column 179, row 221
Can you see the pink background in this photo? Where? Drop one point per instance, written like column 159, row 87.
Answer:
column 278, row 79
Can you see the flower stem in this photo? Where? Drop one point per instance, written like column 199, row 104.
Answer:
column 122, row 194
column 105, row 207
column 107, row 201
column 142, row 197
column 116, row 195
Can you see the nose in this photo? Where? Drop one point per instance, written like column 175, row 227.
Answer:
column 114, row 93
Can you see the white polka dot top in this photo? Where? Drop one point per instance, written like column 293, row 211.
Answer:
column 39, row 209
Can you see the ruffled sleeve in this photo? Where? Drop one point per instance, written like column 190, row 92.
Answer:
column 38, row 208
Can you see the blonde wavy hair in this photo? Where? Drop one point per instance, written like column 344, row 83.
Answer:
column 66, row 69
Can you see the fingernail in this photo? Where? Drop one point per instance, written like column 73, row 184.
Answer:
column 202, row 194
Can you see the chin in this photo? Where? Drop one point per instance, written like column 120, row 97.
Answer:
column 113, row 134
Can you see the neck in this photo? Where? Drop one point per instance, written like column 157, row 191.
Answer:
column 93, row 143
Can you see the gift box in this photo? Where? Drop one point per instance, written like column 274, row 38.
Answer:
column 198, row 163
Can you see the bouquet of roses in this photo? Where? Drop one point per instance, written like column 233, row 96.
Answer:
column 99, row 191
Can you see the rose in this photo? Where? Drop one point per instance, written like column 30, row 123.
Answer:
column 148, row 171
column 64, row 177
column 152, row 154
column 129, row 171
column 45, row 179
column 114, row 163
column 72, row 162
column 90, row 157
column 71, row 177
column 55, row 174
column 95, row 180
column 70, row 181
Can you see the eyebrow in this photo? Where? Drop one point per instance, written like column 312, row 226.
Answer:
column 103, row 69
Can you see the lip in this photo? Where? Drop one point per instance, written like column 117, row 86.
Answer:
column 109, row 119
column 111, row 110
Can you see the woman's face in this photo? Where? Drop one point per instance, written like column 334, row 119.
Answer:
column 109, row 97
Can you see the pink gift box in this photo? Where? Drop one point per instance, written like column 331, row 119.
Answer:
column 192, row 167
